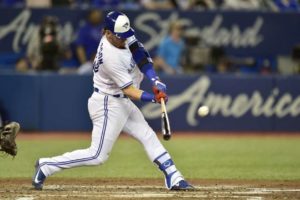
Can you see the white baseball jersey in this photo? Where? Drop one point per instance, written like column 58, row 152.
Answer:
column 114, row 69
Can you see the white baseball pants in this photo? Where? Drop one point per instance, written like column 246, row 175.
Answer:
column 110, row 116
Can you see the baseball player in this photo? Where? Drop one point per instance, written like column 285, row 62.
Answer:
column 119, row 66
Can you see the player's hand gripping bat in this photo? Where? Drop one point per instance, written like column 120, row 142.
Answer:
column 165, row 124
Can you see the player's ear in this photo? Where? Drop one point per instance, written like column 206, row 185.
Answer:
column 108, row 33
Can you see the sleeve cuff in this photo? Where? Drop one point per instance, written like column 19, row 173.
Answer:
column 126, row 85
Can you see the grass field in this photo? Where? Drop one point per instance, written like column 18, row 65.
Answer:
column 206, row 157
column 209, row 157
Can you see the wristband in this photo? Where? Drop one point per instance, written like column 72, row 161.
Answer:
column 147, row 97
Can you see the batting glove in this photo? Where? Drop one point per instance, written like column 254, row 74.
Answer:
column 158, row 95
column 160, row 86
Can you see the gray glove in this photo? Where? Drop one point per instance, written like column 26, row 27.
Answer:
column 8, row 135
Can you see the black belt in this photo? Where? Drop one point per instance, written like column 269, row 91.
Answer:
column 115, row 95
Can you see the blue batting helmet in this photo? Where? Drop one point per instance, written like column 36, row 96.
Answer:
column 119, row 24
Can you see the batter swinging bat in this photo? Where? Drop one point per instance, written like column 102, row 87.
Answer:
column 165, row 124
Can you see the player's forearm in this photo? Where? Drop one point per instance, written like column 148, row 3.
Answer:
column 133, row 93
column 137, row 94
column 142, row 58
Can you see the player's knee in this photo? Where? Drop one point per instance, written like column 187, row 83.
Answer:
column 100, row 159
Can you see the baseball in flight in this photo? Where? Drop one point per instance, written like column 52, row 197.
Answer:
column 203, row 111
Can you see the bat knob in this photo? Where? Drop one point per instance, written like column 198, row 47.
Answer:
column 167, row 137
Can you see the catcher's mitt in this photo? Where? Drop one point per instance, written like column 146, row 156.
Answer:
column 8, row 135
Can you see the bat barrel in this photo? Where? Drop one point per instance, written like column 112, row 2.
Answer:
column 166, row 131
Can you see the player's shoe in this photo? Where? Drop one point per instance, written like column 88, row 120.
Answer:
column 175, row 181
column 38, row 178
column 182, row 185
column 172, row 178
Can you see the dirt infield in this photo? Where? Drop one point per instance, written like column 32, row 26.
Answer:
column 55, row 188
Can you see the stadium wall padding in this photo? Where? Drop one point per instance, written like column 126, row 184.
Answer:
column 52, row 102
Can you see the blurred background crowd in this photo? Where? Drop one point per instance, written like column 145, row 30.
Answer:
column 176, row 53
column 273, row 5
